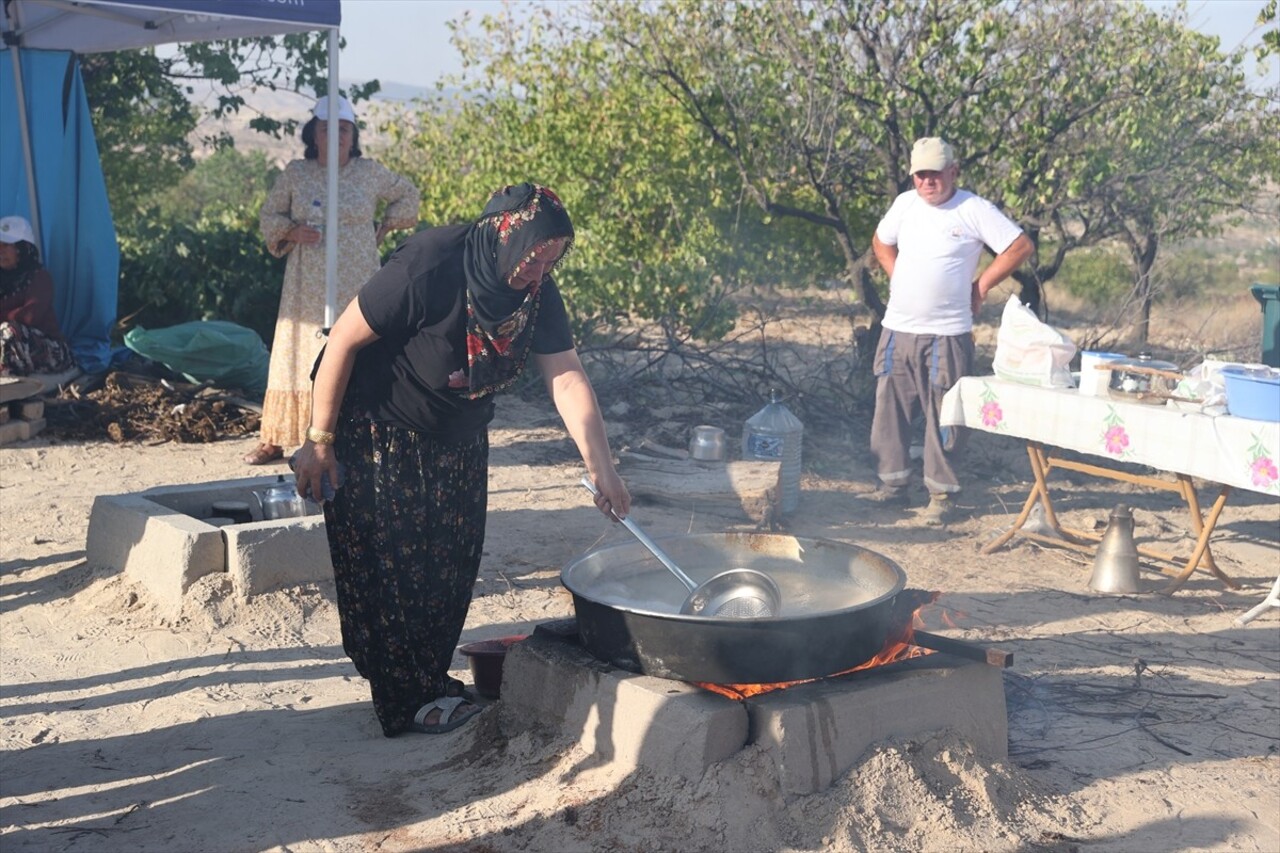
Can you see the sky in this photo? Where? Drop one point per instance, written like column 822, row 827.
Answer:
column 407, row 41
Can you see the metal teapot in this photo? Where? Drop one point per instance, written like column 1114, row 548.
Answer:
column 280, row 501
column 1115, row 566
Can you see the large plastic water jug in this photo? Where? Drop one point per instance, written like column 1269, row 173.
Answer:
column 774, row 433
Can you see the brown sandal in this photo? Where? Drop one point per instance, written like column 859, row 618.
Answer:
column 264, row 453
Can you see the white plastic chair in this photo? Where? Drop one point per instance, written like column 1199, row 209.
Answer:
column 1272, row 600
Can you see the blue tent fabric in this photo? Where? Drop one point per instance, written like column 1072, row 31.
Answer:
column 76, row 230
column 92, row 26
column 77, row 233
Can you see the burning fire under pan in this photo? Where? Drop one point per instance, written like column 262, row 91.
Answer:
column 840, row 606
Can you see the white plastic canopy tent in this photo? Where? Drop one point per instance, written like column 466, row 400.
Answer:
column 94, row 26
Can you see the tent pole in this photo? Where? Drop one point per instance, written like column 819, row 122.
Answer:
column 28, row 156
column 331, row 209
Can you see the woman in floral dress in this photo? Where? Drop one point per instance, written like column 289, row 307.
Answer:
column 292, row 223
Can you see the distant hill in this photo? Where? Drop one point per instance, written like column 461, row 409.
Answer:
column 398, row 92
column 282, row 105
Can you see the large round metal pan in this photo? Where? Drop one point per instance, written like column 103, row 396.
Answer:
column 835, row 613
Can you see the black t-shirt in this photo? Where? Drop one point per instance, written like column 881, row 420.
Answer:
column 416, row 305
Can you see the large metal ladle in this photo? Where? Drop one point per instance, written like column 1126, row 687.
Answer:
column 733, row 594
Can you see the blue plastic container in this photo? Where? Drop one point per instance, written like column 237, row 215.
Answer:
column 1252, row 394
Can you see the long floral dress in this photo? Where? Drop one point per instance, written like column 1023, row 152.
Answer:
column 299, row 196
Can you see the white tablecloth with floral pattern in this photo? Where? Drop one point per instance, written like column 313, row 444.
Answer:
column 1223, row 449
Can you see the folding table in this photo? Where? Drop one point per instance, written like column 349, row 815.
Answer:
column 1228, row 451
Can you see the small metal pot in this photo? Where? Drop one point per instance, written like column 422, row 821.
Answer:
column 1143, row 379
column 707, row 444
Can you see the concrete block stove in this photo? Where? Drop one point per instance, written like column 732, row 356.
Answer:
column 815, row 731
column 161, row 539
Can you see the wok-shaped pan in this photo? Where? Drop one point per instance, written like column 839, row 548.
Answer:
column 733, row 593
column 837, row 600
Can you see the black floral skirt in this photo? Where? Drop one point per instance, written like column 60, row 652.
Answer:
column 406, row 531
column 25, row 350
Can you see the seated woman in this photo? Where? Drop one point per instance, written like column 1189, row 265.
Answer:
column 30, row 338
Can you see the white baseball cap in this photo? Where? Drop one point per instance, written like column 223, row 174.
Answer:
column 16, row 229
column 345, row 111
column 931, row 154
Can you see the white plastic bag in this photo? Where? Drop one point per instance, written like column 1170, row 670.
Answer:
column 1030, row 351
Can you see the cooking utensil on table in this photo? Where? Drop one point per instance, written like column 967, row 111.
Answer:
column 1143, row 379
column 731, row 594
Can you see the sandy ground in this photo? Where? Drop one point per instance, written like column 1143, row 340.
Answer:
column 1137, row 723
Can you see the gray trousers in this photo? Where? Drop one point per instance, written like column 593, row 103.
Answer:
column 913, row 372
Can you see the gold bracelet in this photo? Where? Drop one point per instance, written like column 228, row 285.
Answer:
column 319, row 436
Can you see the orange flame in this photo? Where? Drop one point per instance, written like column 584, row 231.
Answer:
column 897, row 647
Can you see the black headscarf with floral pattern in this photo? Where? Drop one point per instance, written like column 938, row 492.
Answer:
column 500, row 320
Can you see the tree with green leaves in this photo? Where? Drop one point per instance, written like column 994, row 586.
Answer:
column 1271, row 37
column 1192, row 155
column 143, row 119
column 188, row 233
column 194, row 251
column 817, row 104
column 1049, row 103
column 1134, row 129
column 663, row 230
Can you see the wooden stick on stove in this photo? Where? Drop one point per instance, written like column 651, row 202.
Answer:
column 960, row 648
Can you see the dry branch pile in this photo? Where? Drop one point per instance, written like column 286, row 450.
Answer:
column 129, row 407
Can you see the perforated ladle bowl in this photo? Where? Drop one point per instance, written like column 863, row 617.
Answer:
column 731, row 594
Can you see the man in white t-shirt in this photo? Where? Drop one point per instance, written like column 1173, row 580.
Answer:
column 930, row 243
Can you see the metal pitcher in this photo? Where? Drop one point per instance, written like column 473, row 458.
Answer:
column 707, row 444
column 280, row 501
column 1115, row 567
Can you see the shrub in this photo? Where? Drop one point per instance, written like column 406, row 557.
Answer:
column 195, row 252
column 1096, row 275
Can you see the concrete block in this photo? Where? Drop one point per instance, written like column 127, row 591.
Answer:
column 164, row 550
column 268, row 555
column 816, row 732
column 157, row 538
column 624, row 719
column 14, row 431
column 28, row 410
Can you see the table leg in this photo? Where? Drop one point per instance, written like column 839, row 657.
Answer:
column 1039, row 493
column 1197, row 523
column 1041, row 465
column 1202, row 546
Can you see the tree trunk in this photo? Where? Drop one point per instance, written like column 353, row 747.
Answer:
column 1029, row 293
column 1144, row 258
column 856, row 266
